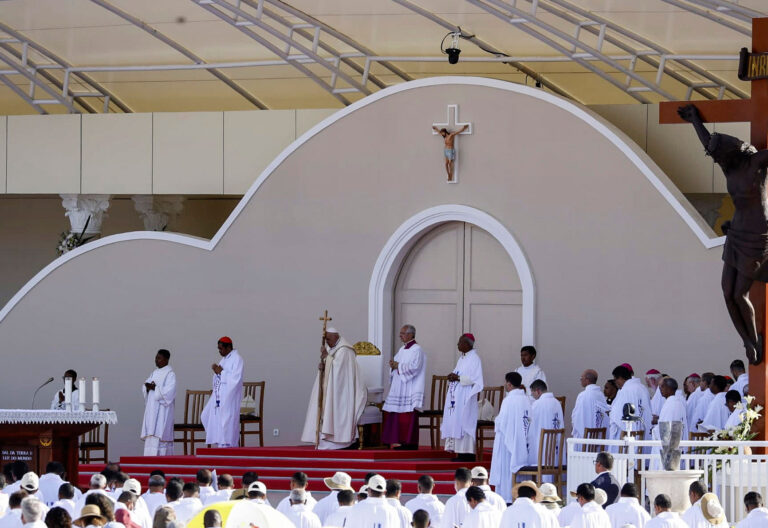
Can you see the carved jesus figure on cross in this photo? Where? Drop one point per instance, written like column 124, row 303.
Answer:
column 450, row 151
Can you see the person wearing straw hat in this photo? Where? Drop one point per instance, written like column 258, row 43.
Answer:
column 757, row 513
column 713, row 512
column 591, row 514
column 664, row 516
column 526, row 510
column 550, row 500
column 330, row 503
column 90, row 515
column 627, row 510
column 221, row 414
column 374, row 511
column 300, row 514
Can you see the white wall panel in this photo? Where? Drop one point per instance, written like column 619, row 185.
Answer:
column 44, row 154
column 188, row 155
column 306, row 119
column 3, row 152
column 117, row 154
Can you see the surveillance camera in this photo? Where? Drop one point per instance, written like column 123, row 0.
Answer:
column 453, row 55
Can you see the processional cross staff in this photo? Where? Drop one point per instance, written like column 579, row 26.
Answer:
column 320, row 392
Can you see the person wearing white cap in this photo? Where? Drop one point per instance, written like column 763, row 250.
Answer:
column 159, row 392
column 299, row 514
column 406, row 392
column 526, row 510
column 394, row 489
column 32, row 513
column 338, row 519
column 140, row 514
column 480, row 479
column 344, row 395
column 481, row 514
column 550, row 499
column 374, row 511
column 299, row 480
column 257, row 494
column 664, row 517
column 627, row 509
column 457, row 507
column 221, row 415
column 757, row 513
column 329, row 504
column 427, row 501
column 590, row 409
column 31, row 484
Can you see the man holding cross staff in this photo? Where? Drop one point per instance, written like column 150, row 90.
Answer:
column 333, row 412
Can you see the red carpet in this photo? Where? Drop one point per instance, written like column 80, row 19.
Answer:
column 274, row 465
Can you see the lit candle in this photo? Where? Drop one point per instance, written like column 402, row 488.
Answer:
column 95, row 394
column 81, row 389
column 68, row 393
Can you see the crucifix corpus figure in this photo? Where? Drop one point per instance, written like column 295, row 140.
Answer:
column 745, row 254
column 450, row 149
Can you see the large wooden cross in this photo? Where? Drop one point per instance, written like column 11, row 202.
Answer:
column 755, row 112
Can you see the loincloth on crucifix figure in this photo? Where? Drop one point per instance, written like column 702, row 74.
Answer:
column 745, row 254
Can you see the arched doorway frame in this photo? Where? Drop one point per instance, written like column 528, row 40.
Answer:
column 392, row 255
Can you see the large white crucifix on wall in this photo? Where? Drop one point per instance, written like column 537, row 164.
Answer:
column 450, row 131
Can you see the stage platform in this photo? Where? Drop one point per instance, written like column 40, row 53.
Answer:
column 275, row 465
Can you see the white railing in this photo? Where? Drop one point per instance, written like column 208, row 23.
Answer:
column 729, row 476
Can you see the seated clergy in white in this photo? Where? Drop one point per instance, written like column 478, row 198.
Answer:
column 591, row 514
column 510, row 446
column 160, row 399
column 457, row 507
column 299, row 480
column 717, row 412
column 427, row 501
column 627, row 510
column 481, row 514
column 374, row 510
column 590, row 409
column 631, row 390
column 327, row 505
column 299, row 514
column 406, row 392
column 221, row 415
column 546, row 413
column 344, row 395
column 338, row 519
column 734, row 403
column 757, row 513
column 394, row 489
column 460, row 409
column 526, row 510
column 664, row 516
column 529, row 370
column 480, row 479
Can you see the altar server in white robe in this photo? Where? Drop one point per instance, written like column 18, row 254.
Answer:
column 741, row 376
column 510, row 446
column 58, row 399
column 457, row 507
column 406, row 392
column 159, row 399
column 221, row 415
column 460, row 409
column 627, row 509
column 590, row 409
column 374, row 511
column 757, row 513
column 717, row 412
column 529, row 370
column 546, row 413
column 526, row 510
column 481, row 513
column 344, row 395
column 631, row 390
column 673, row 410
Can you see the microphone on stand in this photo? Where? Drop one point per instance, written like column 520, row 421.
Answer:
column 38, row 389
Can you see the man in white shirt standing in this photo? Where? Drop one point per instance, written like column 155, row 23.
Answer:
column 631, row 390
column 159, row 392
column 338, row 519
column 406, row 393
column 590, row 409
column 204, row 479
column 427, row 501
column 457, row 507
column 717, row 413
column 665, row 518
column 394, row 489
column 299, row 480
column 529, row 370
column 591, row 514
column 546, row 413
column 757, row 513
column 482, row 514
column 627, row 510
column 221, row 415
column 51, row 481
column 374, row 511
column 741, row 376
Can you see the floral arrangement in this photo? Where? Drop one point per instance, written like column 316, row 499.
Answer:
column 69, row 241
column 742, row 432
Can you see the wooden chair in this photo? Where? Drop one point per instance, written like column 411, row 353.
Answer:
column 494, row 395
column 594, row 433
column 434, row 414
column 193, row 406
column 561, row 399
column 637, row 435
column 96, row 439
column 254, row 389
column 550, row 458
column 697, row 436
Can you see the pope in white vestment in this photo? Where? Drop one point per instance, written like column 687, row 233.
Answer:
column 510, row 445
column 344, row 396
column 590, row 409
column 160, row 397
column 460, row 409
column 632, row 391
column 546, row 413
column 221, row 415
